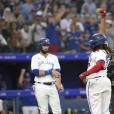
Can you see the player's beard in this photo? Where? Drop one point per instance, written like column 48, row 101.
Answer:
column 44, row 51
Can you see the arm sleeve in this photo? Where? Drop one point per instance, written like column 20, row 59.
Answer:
column 99, row 66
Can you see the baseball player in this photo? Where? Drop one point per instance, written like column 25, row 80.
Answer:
column 46, row 69
column 98, row 87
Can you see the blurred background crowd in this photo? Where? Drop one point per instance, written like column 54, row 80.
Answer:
column 67, row 23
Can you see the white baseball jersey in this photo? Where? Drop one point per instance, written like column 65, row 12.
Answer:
column 41, row 62
column 96, row 56
column 98, row 87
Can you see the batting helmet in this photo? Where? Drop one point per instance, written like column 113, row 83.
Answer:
column 42, row 42
column 97, row 40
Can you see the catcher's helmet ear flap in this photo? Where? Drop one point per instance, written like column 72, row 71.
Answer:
column 42, row 42
column 97, row 40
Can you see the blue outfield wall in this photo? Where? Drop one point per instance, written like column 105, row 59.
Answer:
column 27, row 56
column 24, row 93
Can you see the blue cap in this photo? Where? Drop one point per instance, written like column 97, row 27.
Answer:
column 27, row 74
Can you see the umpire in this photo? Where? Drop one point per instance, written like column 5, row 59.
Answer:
column 111, row 76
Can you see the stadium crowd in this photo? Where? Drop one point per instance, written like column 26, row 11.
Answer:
column 67, row 23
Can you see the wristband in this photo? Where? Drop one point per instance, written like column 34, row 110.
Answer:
column 35, row 72
column 47, row 72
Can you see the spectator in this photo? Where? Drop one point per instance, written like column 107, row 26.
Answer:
column 8, row 15
column 29, row 104
column 64, row 28
column 20, row 21
column 89, row 7
column 39, row 27
column 64, row 24
column 94, row 24
column 112, row 9
column 3, row 84
column 4, row 27
column 33, row 15
column 73, row 42
column 1, row 9
column 76, row 22
column 73, row 37
column 26, row 40
column 84, row 38
column 52, row 30
column 109, row 32
column 87, row 22
column 3, row 42
column 26, row 8
column 17, row 9
column 15, row 38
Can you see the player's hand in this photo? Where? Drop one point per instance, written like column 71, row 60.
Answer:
column 101, row 12
column 83, row 75
column 55, row 73
column 59, row 86
column 84, row 81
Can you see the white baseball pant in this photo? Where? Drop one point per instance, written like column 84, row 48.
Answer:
column 47, row 94
column 98, row 92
